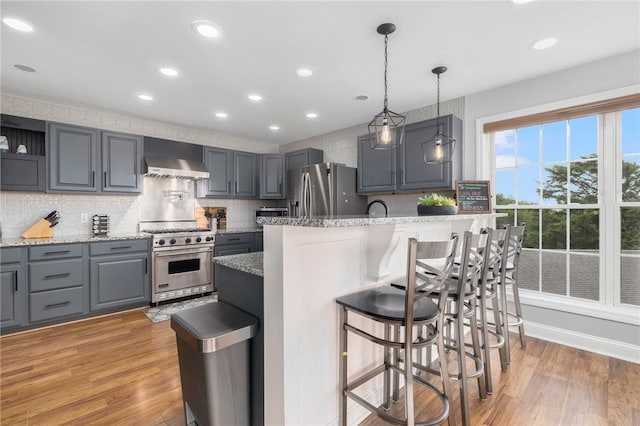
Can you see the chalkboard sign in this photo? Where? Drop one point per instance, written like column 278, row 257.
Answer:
column 473, row 196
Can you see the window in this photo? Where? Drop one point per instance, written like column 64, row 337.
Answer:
column 562, row 178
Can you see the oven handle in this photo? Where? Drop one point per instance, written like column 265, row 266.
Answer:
column 174, row 252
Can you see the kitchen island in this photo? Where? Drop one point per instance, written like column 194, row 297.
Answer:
column 307, row 264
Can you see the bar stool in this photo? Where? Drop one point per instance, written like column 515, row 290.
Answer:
column 429, row 266
column 509, row 276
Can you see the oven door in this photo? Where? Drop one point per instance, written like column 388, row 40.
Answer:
column 182, row 268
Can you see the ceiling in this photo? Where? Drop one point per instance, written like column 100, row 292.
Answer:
column 102, row 54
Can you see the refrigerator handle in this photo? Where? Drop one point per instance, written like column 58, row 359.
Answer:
column 306, row 195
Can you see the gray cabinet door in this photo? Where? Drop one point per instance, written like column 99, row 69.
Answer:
column 415, row 174
column 272, row 176
column 121, row 162
column 72, row 154
column 12, row 296
column 119, row 281
column 219, row 162
column 303, row 157
column 245, row 172
column 22, row 172
column 259, row 241
column 376, row 168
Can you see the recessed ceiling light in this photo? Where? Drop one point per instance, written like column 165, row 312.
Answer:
column 544, row 43
column 18, row 24
column 520, row 1
column 169, row 71
column 255, row 97
column 25, row 68
column 145, row 97
column 312, row 115
column 221, row 114
column 304, row 72
column 274, row 127
column 362, row 97
column 205, row 28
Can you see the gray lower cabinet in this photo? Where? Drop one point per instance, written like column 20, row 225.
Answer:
column 13, row 288
column 231, row 174
column 119, row 279
column 272, row 176
column 303, row 157
column 237, row 243
column 82, row 159
column 19, row 172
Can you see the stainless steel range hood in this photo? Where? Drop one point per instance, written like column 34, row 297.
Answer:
column 175, row 168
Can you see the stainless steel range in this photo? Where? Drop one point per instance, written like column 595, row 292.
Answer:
column 181, row 253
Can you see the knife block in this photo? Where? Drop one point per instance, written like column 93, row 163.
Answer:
column 41, row 229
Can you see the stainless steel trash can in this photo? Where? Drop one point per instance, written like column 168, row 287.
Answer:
column 213, row 354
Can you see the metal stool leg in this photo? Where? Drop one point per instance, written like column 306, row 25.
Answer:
column 486, row 347
column 387, row 371
column 504, row 317
column 343, row 367
column 516, row 301
column 477, row 352
column 462, row 369
column 497, row 320
column 395, row 397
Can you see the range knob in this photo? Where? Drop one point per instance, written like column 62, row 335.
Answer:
column 198, row 239
column 209, row 239
column 173, row 241
column 161, row 242
column 188, row 240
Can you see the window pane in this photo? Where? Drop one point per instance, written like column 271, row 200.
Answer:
column 505, row 143
column 584, row 182
column 585, row 276
column 554, row 184
column 529, row 145
column 631, row 131
column 631, row 178
column 630, row 230
column 583, row 139
column 585, row 230
column 554, row 272
column 528, row 185
column 554, row 141
column 505, row 187
column 529, row 270
column 502, row 221
column 630, row 280
column 531, row 217
column 554, row 229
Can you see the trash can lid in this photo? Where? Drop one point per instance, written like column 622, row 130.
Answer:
column 214, row 326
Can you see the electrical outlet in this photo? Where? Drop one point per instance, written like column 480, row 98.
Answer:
column 84, row 217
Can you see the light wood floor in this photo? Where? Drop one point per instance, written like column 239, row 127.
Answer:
column 123, row 370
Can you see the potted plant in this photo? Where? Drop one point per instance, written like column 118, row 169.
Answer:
column 434, row 204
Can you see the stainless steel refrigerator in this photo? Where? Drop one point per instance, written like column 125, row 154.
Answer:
column 327, row 189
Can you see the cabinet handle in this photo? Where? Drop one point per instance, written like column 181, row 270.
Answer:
column 229, row 186
column 57, row 305
column 120, row 247
column 15, row 286
column 236, row 187
column 145, row 266
column 280, row 187
column 233, row 239
column 163, row 285
column 93, row 178
column 50, row 277
column 57, row 252
column 104, row 181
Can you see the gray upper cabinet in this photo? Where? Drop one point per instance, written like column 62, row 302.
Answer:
column 272, row 176
column 219, row 162
column 121, row 162
column 303, row 157
column 13, row 288
column 245, row 172
column 82, row 159
column 231, row 173
column 415, row 174
column 376, row 168
column 21, row 172
column 72, row 154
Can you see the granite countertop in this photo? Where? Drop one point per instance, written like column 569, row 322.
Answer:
column 17, row 242
column 238, row 230
column 247, row 262
column 361, row 220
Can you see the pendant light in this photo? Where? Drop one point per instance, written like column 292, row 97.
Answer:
column 439, row 148
column 386, row 129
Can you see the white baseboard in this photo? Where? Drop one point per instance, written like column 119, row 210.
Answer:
column 599, row 345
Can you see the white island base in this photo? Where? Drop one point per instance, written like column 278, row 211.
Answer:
column 307, row 265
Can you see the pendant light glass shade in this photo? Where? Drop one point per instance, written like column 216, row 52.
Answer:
column 439, row 148
column 386, row 129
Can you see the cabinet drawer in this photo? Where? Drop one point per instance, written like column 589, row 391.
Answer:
column 55, row 303
column 10, row 255
column 246, row 237
column 55, row 275
column 55, row 251
column 118, row 247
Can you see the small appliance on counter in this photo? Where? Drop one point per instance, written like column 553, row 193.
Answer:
column 100, row 225
column 272, row 212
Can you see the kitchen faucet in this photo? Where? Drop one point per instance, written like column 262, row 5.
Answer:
column 386, row 210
